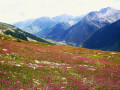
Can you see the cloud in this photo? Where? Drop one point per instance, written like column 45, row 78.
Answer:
column 17, row 10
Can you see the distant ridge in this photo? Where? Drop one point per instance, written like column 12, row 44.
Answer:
column 41, row 23
column 81, row 29
column 54, row 32
column 107, row 38
column 92, row 22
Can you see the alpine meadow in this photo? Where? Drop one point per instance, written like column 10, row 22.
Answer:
column 60, row 45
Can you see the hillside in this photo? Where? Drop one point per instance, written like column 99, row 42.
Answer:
column 43, row 66
column 92, row 22
column 54, row 32
column 107, row 38
column 18, row 33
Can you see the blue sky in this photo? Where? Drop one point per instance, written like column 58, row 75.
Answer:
column 18, row 10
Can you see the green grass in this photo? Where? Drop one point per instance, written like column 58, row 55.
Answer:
column 35, row 65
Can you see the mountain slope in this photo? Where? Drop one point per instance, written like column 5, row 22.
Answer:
column 107, row 38
column 54, row 32
column 35, row 25
column 79, row 32
column 67, row 19
column 18, row 33
column 93, row 21
column 39, row 24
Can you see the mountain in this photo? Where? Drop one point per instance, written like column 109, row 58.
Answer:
column 81, row 27
column 107, row 38
column 54, row 32
column 67, row 18
column 92, row 22
column 35, row 25
column 78, row 32
column 6, row 29
column 39, row 24
column 22, row 24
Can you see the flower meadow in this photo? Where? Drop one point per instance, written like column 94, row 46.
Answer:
column 40, row 66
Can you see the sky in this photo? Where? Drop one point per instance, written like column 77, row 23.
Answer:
column 18, row 10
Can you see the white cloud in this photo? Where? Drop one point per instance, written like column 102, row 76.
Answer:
column 17, row 10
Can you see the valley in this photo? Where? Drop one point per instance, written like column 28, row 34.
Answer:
column 75, row 31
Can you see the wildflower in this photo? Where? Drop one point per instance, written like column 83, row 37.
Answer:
column 2, row 61
column 109, row 56
column 18, row 65
column 45, row 62
column 4, row 72
column 52, row 67
column 85, row 65
column 21, row 89
column 36, row 81
column 13, row 75
column 92, row 69
column 2, row 38
column 84, row 79
column 64, row 82
column 4, row 50
column 62, row 87
column 52, row 83
column 13, row 39
column 57, row 64
column 68, row 67
column 113, row 53
column 36, row 61
column 3, row 80
column 63, row 78
column 34, row 68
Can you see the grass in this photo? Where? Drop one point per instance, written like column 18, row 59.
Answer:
column 34, row 65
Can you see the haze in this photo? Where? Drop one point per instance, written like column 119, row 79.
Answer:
column 17, row 10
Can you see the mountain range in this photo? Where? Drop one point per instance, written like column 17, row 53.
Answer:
column 41, row 23
column 74, row 31
column 35, row 25
column 92, row 22
column 107, row 38
column 54, row 32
